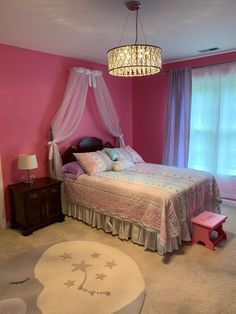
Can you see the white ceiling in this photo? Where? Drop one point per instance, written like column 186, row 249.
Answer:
column 86, row 29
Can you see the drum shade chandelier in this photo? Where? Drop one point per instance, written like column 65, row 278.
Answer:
column 136, row 59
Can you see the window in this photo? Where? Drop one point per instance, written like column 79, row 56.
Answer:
column 212, row 145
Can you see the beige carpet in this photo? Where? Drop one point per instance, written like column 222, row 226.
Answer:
column 193, row 280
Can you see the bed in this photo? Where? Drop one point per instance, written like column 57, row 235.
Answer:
column 149, row 204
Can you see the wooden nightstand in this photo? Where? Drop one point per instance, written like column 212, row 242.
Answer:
column 33, row 207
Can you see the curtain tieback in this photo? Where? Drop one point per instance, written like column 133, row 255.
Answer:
column 121, row 140
column 52, row 149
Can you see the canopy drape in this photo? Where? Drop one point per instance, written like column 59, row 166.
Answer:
column 68, row 117
column 106, row 109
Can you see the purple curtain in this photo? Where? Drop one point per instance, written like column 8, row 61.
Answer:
column 178, row 118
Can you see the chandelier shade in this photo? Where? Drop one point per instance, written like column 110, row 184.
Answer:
column 135, row 59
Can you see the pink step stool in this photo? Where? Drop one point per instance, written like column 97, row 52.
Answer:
column 204, row 224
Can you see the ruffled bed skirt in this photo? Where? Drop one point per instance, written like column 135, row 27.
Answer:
column 126, row 230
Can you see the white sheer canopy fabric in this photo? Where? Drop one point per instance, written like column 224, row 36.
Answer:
column 69, row 115
column 106, row 109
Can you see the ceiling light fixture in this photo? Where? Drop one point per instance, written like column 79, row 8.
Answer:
column 136, row 59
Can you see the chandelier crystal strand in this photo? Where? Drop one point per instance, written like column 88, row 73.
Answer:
column 136, row 59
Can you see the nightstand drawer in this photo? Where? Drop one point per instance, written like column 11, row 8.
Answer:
column 52, row 190
column 34, row 195
column 37, row 194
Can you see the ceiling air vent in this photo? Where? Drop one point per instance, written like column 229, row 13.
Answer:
column 209, row 50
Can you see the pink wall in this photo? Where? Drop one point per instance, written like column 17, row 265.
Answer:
column 149, row 111
column 31, row 89
column 150, row 97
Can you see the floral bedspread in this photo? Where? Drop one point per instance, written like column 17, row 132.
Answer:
column 157, row 197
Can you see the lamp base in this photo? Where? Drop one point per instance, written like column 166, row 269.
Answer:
column 28, row 180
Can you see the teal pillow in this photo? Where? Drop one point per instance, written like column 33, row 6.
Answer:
column 112, row 153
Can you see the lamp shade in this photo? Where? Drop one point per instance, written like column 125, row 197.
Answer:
column 27, row 162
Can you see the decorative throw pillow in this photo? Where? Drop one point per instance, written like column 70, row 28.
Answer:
column 130, row 154
column 94, row 162
column 73, row 168
column 122, row 164
column 112, row 153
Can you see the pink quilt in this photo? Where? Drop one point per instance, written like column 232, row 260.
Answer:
column 159, row 198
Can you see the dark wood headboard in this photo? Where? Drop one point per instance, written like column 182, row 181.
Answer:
column 87, row 144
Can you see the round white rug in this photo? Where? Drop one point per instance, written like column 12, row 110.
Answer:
column 84, row 277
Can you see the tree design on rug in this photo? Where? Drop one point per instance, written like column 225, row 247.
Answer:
column 82, row 267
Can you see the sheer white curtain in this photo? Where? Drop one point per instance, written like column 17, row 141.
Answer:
column 106, row 108
column 213, row 128
column 69, row 115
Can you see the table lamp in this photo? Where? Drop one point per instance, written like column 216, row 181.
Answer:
column 27, row 162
